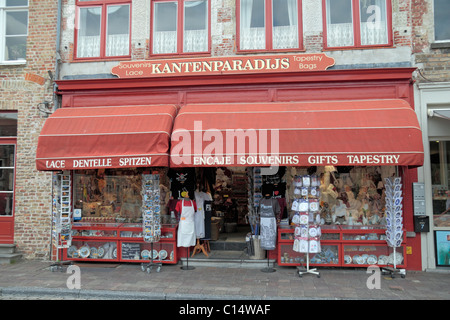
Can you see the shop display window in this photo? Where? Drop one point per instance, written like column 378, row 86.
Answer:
column 352, row 196
column 440, row 179
column 92, row 250
column 109, row 196
column 372, row 255
column 143, row 251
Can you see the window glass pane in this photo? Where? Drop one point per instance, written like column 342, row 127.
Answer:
column 89, row 32
column 16, row 23
column 339, row 23
column 112, row 194
column 165, row 27
column 441, row 20
column 8, row 124
column 6, row 201
column 195, row 26
column 16, row 3
column 6, row 179
column 285, row 24
column 15, row 48
column 118, row 31
column 373, row 22
column 6, row 156
column 253, row 32
column 440, row 179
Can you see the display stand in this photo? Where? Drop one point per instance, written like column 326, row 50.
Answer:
column 149, row 266
column 394, row 225
column 306, row 207
column 187, row 267
column 268, row 269
column 151, row 216
column 62, row 217
column 199, row 247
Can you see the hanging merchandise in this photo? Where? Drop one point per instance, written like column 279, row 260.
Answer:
column 307, row 218
column 61, row 214
column 151, row 215
column 394, row 223
column 151, row 209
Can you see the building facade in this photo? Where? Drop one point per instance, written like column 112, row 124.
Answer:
column 431, row 54
column 27, row 69
column 374, row 46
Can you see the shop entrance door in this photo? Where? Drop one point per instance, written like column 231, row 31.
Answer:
column 7, row 175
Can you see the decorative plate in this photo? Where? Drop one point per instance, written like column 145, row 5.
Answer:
column 347, row 259
column 162, row 254
column 382, row 259
column 155, row 254
column 85, row 252
column 171, row 255
column 115, row 253
column 94, row 253
column 100, row 252
column 71, row 250
column 372, row 259
column 356, row 259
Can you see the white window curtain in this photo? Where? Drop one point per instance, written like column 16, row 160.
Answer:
column 373, row 22
column 251, row 38
column 339, row 23
column 88, row 42
column 165, row 28
column 286, row 36
column 195, row 34
column 118, row 31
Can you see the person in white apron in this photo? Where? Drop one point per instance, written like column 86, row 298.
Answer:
column 186, row 228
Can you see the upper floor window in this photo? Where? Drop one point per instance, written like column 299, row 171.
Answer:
column 269, row 24
column 180, row 26
column 357, row 23
column 103, row 28
column 441, row 20
column 13, row 30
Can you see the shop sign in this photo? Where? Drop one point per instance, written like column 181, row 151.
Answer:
column 223, row 65
column 288, row 160
column 101, row 162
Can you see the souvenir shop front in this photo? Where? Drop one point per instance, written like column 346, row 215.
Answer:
column 129, row 154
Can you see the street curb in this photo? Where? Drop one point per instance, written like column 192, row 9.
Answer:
column 45, row 293
column 113, row 295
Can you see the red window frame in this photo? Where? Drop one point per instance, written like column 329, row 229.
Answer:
column 269, row 29
column 103, row 4
column 180, row 33
column 357, row 27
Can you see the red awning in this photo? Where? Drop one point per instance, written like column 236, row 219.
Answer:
column 364, row 132
column 106, row 137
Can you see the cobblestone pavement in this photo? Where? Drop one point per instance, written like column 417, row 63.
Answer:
column 35, row 279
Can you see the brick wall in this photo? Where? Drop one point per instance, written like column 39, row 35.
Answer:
column 432, row 60
column 32, row 188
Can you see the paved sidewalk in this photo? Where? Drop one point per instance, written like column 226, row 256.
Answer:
column 127, row 281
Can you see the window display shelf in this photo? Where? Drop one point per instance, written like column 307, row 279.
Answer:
column 120, row 242
column 164, row 252
column 376, row 254
column 343, row 246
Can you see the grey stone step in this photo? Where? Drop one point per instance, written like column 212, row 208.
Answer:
column 7, row 258
column 7, row 248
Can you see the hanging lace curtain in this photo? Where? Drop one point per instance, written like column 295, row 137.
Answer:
column 196, row 40
column 250, row 38
column 88, row 42
column 118, row 44
column 373, row 29
column 165, row 32
column 338, row 34
column 286, row 37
